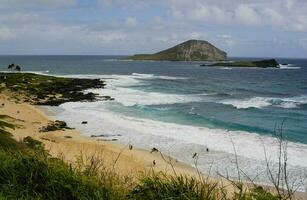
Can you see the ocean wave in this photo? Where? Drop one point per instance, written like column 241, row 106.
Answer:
column 132, row 97
column 288, row 66
column 153, row 76
column 249, row 145
column 261, row 102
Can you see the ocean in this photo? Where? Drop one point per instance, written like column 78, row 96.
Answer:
column 182, row 108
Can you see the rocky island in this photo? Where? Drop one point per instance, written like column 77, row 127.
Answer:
column 191, row 50
column 269, row 63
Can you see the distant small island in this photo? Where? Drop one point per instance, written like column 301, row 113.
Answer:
column 268, row 63
column 191, row 50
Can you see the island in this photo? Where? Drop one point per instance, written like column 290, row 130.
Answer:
column 268, row 63
column 191, row 50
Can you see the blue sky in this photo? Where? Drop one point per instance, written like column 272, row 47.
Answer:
column 263, row 28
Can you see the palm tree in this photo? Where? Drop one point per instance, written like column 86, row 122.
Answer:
column 18, row 68
column 11, row 66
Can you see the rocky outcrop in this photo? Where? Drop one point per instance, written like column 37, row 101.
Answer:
column 269, row 63
column 192, row 50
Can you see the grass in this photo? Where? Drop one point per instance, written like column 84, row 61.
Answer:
column 27, row 171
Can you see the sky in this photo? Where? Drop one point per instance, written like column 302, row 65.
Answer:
column 242, row 28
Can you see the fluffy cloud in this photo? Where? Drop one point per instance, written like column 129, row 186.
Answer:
column 136, row 26
column 288, row 15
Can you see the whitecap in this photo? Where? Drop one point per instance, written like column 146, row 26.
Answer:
column 288, row 66
column 132, row 97
column 250, row 145
column 255, row 102
column 261, row 102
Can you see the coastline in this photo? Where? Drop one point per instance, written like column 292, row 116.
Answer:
column 69, row 144
column 127, row 163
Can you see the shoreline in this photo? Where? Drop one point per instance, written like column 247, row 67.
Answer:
column 128, row 163
column 69, row 144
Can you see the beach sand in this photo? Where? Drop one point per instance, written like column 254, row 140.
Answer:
column 70, row 144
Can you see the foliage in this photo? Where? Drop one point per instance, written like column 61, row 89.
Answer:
column 178, row 187
column 14, row 67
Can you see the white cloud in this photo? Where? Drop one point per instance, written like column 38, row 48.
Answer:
column 247, row 15
column 287, row 15
column 38, row 25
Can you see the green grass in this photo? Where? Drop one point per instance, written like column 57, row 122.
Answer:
column 27, row 171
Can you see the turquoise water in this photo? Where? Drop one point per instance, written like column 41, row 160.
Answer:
column 252, row 100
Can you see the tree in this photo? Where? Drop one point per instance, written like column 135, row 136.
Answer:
column 18, row 68
column 11, row 66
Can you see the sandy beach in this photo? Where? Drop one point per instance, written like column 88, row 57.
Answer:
column 70, row 144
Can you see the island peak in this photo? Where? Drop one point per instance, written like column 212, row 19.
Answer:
column 191, row 50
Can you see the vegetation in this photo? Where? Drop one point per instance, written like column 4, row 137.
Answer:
column 14, row 67
column 48, row 90
column 28, row 172
column 261, row 63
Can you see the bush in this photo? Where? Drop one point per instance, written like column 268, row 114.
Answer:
column 28, row 176
column 169, row 187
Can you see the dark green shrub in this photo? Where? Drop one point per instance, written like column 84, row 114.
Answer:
column 179, row 187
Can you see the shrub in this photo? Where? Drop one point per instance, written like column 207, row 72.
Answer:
column 169, row 187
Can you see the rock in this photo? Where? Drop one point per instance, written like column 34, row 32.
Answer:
column 154, row 150
column 67, row 136
column 84, row 122
column 54, row 126
column 105, row 135
column 269, row 63
column 191, row 50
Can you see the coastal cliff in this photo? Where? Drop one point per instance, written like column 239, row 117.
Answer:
column 191, row 50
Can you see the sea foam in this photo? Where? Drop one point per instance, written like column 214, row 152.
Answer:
column 181, row 141
column 261, row 102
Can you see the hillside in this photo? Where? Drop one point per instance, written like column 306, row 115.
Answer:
column 192, row 50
